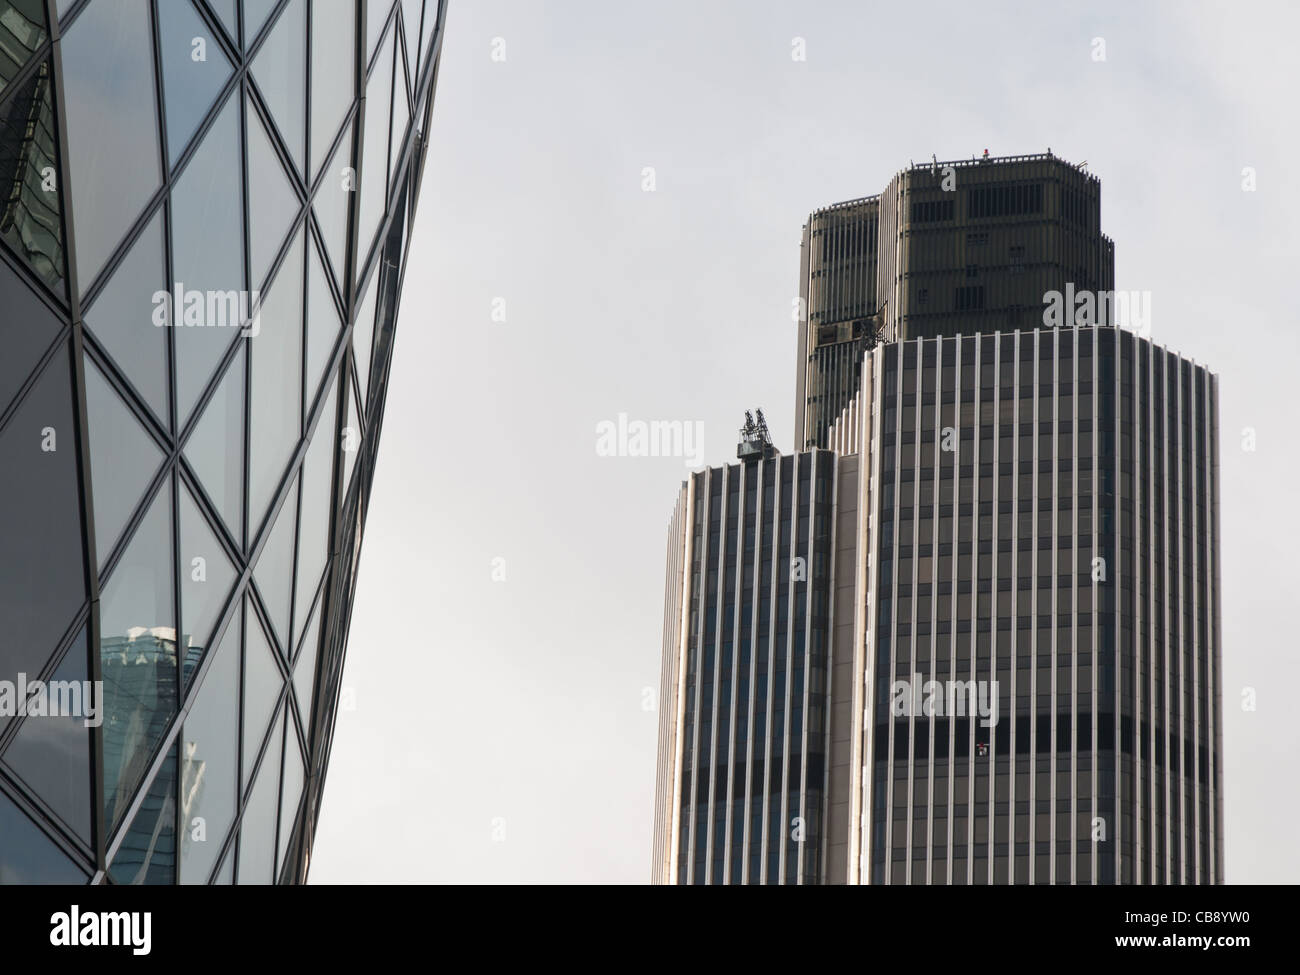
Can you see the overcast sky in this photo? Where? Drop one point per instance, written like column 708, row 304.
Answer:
column 499, row 733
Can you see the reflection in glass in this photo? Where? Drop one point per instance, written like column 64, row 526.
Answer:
column 276, row 399
column 52, row 754
column 123, row 459
column 27, row 855
column 208, row 257
column 194, row 69
column 137, row 650
column 148, row 851
column 111, row 120
column 280, row 70
column 22, row 31
column 122, row 318
column 208, row 762
column 206, row 578
column 30, row 208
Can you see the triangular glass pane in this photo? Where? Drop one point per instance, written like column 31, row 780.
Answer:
column 262, row 685
column 23, row 23
column 363, row 335
column 280, row 70
column 216, row 447
column 112, row 124
column 124, row 318
column 276, row 384
column 194, row 69
column 304, row 670
column 333, row 200
column 208, row 258
column 43, row 568
column 272, row 203
column 225, row 10
column 27, row 855
column 426, row 30
column 317, row 492
column 350, row 439
column 290, row 792
column 411, row 21
column 206, row 577
column 31, row 215
column 137, row 650
column 123, row 459
column 209, row 762
column 51, row 754
column 323, row 324
column 376, row 17
column 257, row 828
column 401, row 117
column 255, row 14
column 274, row 571
column 374, row 152
column 148, row 853
column 333, row 78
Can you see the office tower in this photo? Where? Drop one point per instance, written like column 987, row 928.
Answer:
column 1021, row 627
column 949, row 247
column 204, row 224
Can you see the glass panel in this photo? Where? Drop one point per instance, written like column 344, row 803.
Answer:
column 276, row 397
column 262, row 686
column 208, row 258
column 334, row 76
column 411, row 23
column 137, row 649
column 32, row 204
column 363, row 334
column 42, row 573
column 337, row 191
column 29, row 330
column 426, row 29
column 290, row 791
column 22, row 31
column 226, row 11
column 323, row 324
column 318, row 485
column 111, row 117
column 123, row 318
column 27, row 855
column 350, row 440
column 194, row 69
column 374, row 153
column 255, row 14
column 272, row 203
column 216, row 447
column 51, row 754
column 148, row 853
column 257, row 828
column 401, row 117
column 304, row 672
column 280, row 70
column 226, row 875
column 274, row 571
column 209, row 758
column 123, row 460
column 376, row 17
column 206, row 579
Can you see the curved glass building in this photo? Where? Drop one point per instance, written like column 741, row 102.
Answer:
column 204, row 213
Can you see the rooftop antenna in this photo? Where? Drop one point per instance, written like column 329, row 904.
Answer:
column 755, row 439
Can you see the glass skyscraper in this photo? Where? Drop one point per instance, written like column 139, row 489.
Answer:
column 1007, row 636
column 205, row 207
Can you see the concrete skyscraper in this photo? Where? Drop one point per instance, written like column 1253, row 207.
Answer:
column 982, row 645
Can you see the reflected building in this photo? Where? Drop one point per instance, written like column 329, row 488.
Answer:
column 205, row 207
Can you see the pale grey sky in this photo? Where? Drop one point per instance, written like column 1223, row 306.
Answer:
column 484, row 705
